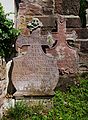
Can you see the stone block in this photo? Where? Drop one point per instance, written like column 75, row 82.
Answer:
column 67, row 7
column 58, row 7
column 73, row 22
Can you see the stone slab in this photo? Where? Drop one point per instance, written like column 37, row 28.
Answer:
column 34, row 73
column 39, row 7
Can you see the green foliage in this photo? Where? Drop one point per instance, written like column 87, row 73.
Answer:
column 8, row 35
column 70, row 105
column 82, row 12
column 22, row 112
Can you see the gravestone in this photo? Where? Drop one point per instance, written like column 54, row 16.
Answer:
column 34, row 74
column 67, row 58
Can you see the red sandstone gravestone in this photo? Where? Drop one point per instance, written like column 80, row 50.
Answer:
column 67, row 58
column 34, row 73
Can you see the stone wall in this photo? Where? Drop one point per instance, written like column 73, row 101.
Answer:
column 81, row 43
column 67, row 7
column 58, row 6
column 72, row 22
column 29, row 9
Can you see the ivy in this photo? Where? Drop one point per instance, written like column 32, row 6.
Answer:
column 8, row 36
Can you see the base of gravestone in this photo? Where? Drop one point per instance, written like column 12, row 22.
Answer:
column 34, row 93
column 44, row 101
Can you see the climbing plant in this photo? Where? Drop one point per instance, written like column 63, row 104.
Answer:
column 82, row 12
column 8, row 35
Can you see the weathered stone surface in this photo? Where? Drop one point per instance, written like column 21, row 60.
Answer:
column 81, row 32
column 66, row 56
column 21, row 20
column 5, row 104
column 34, row 73
column 68, row 7
column 71, row 35
column 2, row 77
column 39, row 7
column 2, row 69
column 83, row 62
column 82, row 35
column 49, row 23
column 45, row 101
column 82, row 43
column 73, row 22
column 47, row 20
column 58, row 7
column 84, row 47
column 33, row 9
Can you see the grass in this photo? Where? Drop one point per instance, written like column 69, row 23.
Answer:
column 69, row 105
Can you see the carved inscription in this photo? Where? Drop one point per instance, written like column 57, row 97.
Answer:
column 35, row 73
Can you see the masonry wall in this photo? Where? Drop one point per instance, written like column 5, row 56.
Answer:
column 67, row 7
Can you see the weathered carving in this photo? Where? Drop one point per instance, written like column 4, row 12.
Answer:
column 34, row 73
